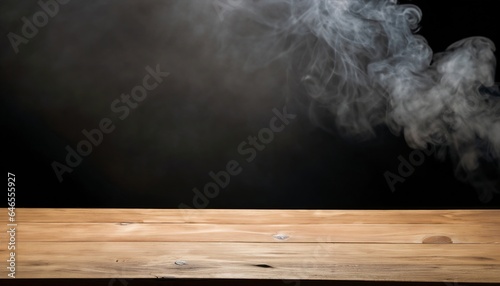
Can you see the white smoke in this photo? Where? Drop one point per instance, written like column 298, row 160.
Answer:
column 363, row 61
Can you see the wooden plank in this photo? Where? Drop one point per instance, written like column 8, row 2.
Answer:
column 326, row 261
column 340, row 233
column 220, row 282
column 225, row 216
column 374, row 245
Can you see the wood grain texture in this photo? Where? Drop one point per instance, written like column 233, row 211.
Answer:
column 348, row 233
column 227, row 216
column 370, row 245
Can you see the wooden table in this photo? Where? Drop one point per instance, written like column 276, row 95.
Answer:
column 363, row 245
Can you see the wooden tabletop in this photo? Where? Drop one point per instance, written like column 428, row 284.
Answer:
column 363, row 245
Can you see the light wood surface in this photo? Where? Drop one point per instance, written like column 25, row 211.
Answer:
column 374, row 245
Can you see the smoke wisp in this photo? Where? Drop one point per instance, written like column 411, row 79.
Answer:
column 363, row 61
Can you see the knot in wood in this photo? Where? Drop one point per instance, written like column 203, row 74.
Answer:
column 438, row 239
column 180, row 262
column 281, row 236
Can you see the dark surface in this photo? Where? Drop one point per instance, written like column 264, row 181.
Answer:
column 193, row 123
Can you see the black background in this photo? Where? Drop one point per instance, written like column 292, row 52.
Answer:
column 306, row 167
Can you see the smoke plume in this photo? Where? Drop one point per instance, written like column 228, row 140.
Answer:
column 363, row 61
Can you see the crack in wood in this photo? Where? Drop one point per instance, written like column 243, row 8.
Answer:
column 263, row 266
